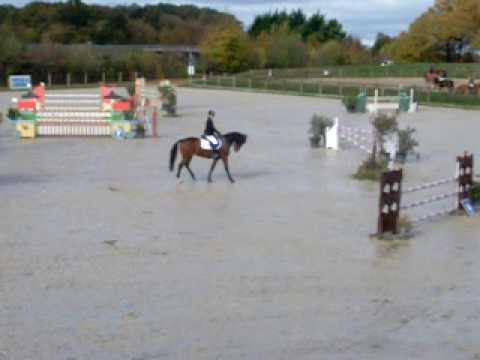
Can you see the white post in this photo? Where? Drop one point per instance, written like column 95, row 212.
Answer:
column 331, row 136
column 413, row 105
column 391, row 147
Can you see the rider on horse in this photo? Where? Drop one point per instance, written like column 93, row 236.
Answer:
column 211, row 134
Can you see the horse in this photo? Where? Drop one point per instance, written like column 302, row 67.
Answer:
column 438, row 79
column 191, row 146
column 471, row 88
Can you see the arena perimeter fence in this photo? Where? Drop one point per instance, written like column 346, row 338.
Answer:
column 327, row 88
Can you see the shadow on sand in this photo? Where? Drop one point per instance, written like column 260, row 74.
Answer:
column 19, row 179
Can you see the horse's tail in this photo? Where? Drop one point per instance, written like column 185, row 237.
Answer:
column 173, row 155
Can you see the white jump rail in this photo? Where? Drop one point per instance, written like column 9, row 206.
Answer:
column 55, row 129
column 71, row 96
column 389, row 103
column 434, row 215
column 433, row 199
column 73, row 114
column 363, row 139
column 429, row 200
column 94, row 114
column 429, row 185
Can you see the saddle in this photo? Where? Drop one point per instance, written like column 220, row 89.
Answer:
column 210, row 142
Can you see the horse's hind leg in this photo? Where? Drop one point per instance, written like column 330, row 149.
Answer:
column 187, row 165
column 180, row 166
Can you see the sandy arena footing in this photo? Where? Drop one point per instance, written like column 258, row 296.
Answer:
column 105, row 255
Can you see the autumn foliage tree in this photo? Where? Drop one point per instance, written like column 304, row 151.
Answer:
column 444, row 32
column 227, row 49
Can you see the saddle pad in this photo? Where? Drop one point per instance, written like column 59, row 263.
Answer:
column 207, row 145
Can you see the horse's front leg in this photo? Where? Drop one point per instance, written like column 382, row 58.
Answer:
column 214, row 163
column 227, row 170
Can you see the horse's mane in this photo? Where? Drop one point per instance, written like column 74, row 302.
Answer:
column 236, row 137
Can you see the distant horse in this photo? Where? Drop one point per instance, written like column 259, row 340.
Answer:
column 471, row 88
column 438, row 79
column 191, row 146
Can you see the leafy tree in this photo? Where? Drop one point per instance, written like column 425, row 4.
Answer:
column 331, row 53
column 381, row 42
column 443, row 32
column 296, row 19
column 227, row 50
column 268, row 22
column 283, row 49
column 140, row 32
column 75, row 13
column 10, row 49
column 316, row 26
column 82, row 23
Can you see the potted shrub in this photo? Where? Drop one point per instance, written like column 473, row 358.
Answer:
column 318, row 127
column 373, row 167
column 140, row 131
column 128, row 115
column 13, row 114
column 383, row 124
column 130, row 88
column 406, row 143
column 171, row 103
column 350, row 103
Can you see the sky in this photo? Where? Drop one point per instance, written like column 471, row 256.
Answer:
column 360, row 18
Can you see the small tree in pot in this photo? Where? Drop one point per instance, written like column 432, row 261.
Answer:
column 350, row 103
column 318, row 127
column 13, row 114
column 384, row 124
column 406, row 143
column 170, row 106
column 140, row 133
column 373, row 167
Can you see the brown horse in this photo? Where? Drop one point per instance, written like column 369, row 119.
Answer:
column 438, row 79
column 191, row 146
column 471, row 88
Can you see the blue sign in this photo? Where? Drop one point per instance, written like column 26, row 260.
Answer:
column 20, row 82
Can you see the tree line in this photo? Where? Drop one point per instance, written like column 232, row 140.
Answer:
column 282, row 40
column 448, row 31
column 50, row 25
column 74, row 22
